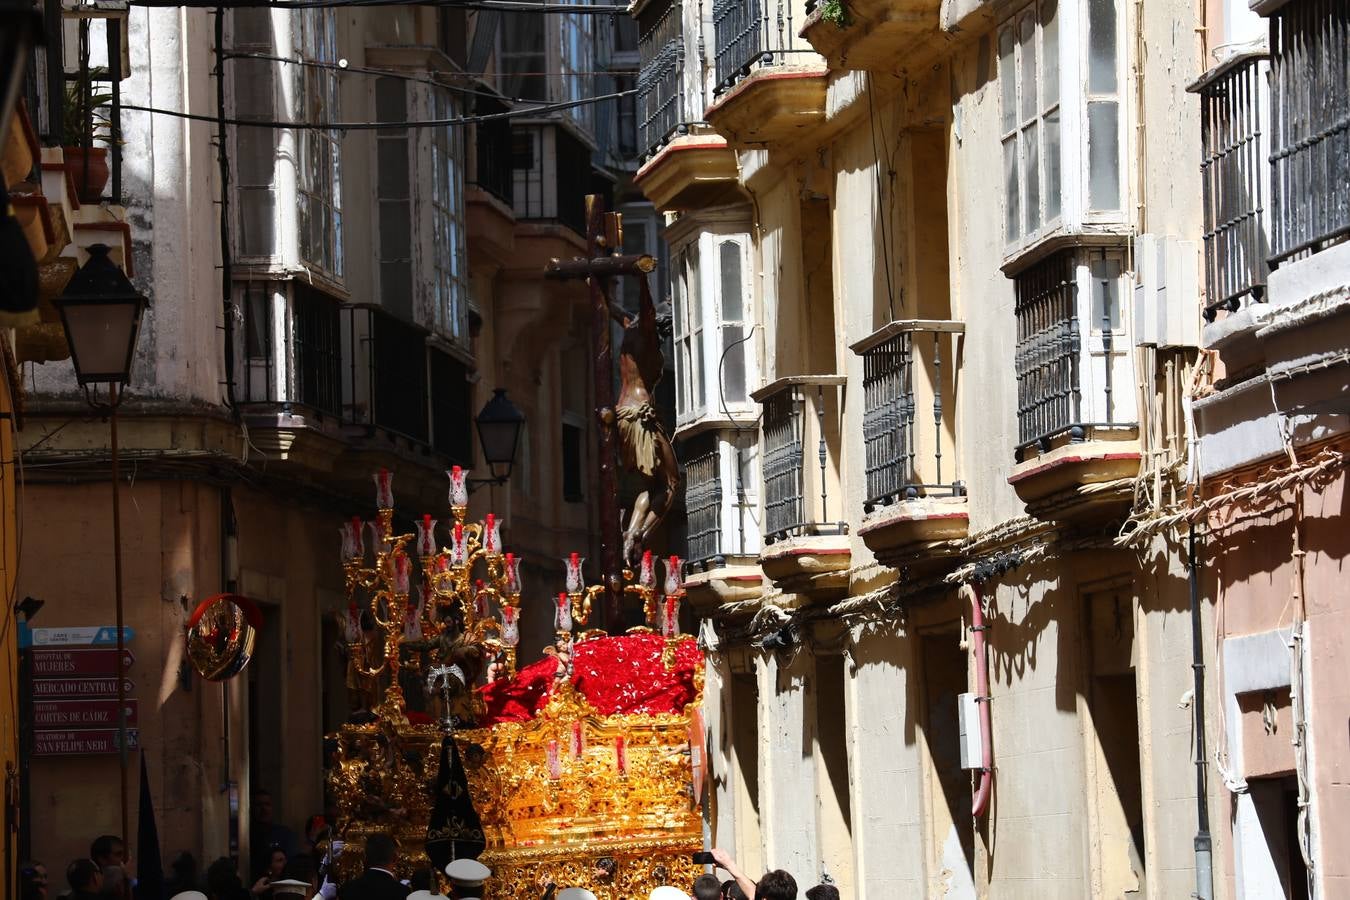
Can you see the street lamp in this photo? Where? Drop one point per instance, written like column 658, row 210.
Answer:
column 101, row 314
column 499, row 427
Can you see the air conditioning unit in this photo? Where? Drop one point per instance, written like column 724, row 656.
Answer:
column 1166, row 292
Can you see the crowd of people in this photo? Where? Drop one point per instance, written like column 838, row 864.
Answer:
column 295, row 868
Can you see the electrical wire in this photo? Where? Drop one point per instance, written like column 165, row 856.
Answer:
column 375, row 126
column 522, row 6
column 433, row 80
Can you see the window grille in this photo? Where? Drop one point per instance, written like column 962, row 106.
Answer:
column 1310, row 133
column 703, row 499
column 1235, row 135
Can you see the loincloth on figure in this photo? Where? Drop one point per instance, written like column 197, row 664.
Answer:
column 639, row 428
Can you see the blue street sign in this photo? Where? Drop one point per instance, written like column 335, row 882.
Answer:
column 75, row 636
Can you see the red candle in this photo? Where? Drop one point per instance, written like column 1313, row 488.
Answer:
column 621, row 756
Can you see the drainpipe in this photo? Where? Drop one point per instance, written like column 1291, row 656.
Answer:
column 1204, row 864
column 980, row 803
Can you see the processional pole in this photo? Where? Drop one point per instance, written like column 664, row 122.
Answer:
column 604, row 246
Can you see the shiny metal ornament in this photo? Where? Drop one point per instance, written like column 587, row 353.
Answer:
column 220, row 635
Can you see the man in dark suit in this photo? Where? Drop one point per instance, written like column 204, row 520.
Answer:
column 378, row 882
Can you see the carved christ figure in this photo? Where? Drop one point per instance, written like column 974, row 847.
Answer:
column 644, row 447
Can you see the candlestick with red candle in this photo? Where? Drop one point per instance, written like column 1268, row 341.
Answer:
column 426, row 537
column 459, row 488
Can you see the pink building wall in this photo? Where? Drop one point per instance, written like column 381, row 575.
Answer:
column 1253, row 576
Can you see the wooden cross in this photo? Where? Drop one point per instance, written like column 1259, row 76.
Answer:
column 605, row 261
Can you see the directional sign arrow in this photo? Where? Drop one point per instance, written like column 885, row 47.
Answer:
column 48, row 663
column 78, row 688
column 80, row 713
column 81, row 741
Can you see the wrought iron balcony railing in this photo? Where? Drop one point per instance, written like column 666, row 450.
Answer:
column 753, row 33
column 1310, row 133
column 554, row 184
column 386, row 372
column 451, row 407
column 1235, row 131
column 306, row 368
column 801, row 415
column 1065, row 388
column 703, row 499
column 908, row 406
column 492, row 151
column 661, row 46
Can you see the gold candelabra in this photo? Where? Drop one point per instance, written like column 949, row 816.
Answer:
column 453, row 603
column 661, row 609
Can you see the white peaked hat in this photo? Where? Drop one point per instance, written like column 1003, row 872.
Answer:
column 189, row 895
column 666, row 892
column 468, row 872
column 576, row 894
column 426, row 895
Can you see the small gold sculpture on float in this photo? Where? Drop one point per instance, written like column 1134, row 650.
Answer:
column 578, row 766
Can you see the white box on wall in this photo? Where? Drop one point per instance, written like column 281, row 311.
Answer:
column 972, row 742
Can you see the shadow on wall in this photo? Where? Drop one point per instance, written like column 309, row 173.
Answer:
column 1023, row 605
column 1324, row 533
column 888, row 654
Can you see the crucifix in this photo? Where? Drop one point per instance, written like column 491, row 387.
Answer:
column 628, row 427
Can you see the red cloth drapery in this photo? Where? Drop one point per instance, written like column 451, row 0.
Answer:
column 616, row 675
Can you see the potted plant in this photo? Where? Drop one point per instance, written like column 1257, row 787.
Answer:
column 83, row 115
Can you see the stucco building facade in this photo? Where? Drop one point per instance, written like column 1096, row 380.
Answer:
column 941, row 273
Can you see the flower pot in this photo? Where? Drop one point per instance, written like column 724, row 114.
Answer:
column 88, row 188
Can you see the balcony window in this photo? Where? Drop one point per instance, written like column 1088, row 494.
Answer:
column 493, row 162
column 576, row 62
column 259, row 303
column 908, row 404
column 714, row 360
column 385, row 372
column 319, row 162
column 1310, row 105
column 291, row 346
column 449, row 283
column 1103, row 105
column 1235, row 170
column 551, row 175
column 451, row 408
column 799, row 413
column 524, row 57
column 394, row 198
column 1028, row 50
column 784, row 458
column 749, row 34
column 1060, row 121
column 703, row 497
column 1074, row 374
column 688, row 333
column 733, row 298
column 315, row 333
column 255, row 92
